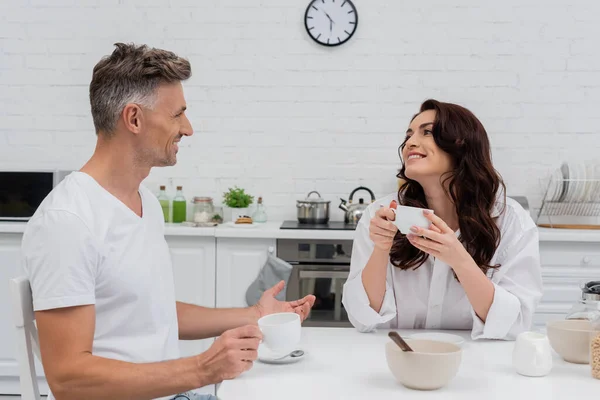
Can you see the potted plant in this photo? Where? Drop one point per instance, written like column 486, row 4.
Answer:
column 238, row 200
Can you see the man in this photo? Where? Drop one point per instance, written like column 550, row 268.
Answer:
column 100, row 268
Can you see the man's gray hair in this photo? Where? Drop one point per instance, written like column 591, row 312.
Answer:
column 131, row 74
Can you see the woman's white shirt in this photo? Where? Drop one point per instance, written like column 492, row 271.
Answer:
column 431, row 298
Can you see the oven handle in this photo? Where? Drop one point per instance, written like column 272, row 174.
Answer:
column 323, row 274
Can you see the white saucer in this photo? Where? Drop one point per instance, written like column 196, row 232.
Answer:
column 439, row 336
column 267, row 357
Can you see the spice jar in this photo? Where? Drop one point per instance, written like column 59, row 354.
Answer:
column 203, row 209
column 595, row 344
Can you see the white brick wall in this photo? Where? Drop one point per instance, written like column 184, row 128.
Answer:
column 279, row 115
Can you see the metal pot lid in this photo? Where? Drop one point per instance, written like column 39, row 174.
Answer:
column 591, row 291
column 314, row 200
column 592, row 287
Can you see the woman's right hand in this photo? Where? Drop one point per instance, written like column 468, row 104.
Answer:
column 381, row 229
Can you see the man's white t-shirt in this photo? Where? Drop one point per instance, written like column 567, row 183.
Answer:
column 84, row 246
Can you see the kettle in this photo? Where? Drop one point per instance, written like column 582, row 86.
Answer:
column 355, row 211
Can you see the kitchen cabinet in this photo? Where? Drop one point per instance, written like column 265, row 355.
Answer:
column 565, row 267
column 238, row 264
column 194, row 275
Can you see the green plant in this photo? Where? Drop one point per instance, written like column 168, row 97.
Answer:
column 237, row 198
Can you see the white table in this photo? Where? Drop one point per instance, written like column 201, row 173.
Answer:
column 341, row 363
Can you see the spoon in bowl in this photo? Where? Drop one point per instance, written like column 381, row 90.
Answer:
column 399, row 341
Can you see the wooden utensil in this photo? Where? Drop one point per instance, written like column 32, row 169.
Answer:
column 399, row 341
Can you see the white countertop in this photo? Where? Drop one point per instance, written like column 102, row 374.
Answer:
column 341, row 363
column 271, row 230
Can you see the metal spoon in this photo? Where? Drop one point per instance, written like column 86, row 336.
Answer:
column 295, row 353
column 399, row 341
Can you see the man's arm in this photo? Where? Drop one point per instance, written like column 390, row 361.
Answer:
column 73, row 372
column 197, row 322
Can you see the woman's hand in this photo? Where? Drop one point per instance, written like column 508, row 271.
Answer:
column 440, row 242
column 381, row 228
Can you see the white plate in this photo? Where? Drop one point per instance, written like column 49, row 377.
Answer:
column 556, row 185
column 595, row 196
column 439, row 336
column 564, row 168
column 267, row 357
column 234, row 225
column 581, row 184
column 590, row 184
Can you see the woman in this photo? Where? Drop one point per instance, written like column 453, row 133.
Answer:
column 477, row 266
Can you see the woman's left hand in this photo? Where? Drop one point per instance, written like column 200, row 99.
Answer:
column 440, row 241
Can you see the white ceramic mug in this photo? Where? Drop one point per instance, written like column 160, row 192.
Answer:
column 532, row 354
column 281, row 332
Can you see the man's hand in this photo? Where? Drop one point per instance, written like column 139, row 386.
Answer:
column 268, row 304
column 230, row 355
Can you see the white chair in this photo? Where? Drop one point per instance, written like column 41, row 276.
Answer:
column 27, row 337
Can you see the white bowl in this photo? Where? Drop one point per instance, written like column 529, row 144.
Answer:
column 571, row 339
column 431, row 365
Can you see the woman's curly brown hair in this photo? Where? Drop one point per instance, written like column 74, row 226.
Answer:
column 472, row 185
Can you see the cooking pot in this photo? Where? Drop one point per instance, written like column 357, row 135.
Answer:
column 313, row 210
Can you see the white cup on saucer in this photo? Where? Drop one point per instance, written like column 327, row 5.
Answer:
column 281, row 332
column 532, row 354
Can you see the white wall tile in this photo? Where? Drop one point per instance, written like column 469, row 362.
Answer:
column 279, row 115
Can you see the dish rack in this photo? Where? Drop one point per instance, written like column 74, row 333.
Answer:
column 570, row 204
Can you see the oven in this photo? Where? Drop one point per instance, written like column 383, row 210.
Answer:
column 320, row 267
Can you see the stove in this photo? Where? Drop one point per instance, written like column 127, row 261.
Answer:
column 331, row 225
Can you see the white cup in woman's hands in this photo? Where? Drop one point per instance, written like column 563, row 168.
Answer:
column 382, row 229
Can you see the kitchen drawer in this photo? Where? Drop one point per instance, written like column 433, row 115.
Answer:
column 570, row 254
column 560, row 309
column 561, row 290
column 571, row 274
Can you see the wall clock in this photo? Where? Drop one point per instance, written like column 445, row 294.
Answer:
column 331, row 22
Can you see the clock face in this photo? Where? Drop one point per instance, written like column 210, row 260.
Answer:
column 331, row 22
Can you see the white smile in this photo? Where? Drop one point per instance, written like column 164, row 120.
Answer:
column 413, row 156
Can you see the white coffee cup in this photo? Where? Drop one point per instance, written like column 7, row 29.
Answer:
column 532, row 354
column 281, row 331
column 406, row 217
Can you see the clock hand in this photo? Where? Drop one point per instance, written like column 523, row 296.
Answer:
column 330, row 22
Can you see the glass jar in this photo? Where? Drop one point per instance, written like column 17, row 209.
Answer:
column 595, row 344
column 260, row 215
column 587, row 307
column 203, row 209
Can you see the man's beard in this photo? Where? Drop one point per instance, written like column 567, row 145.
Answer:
column 153, row 158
